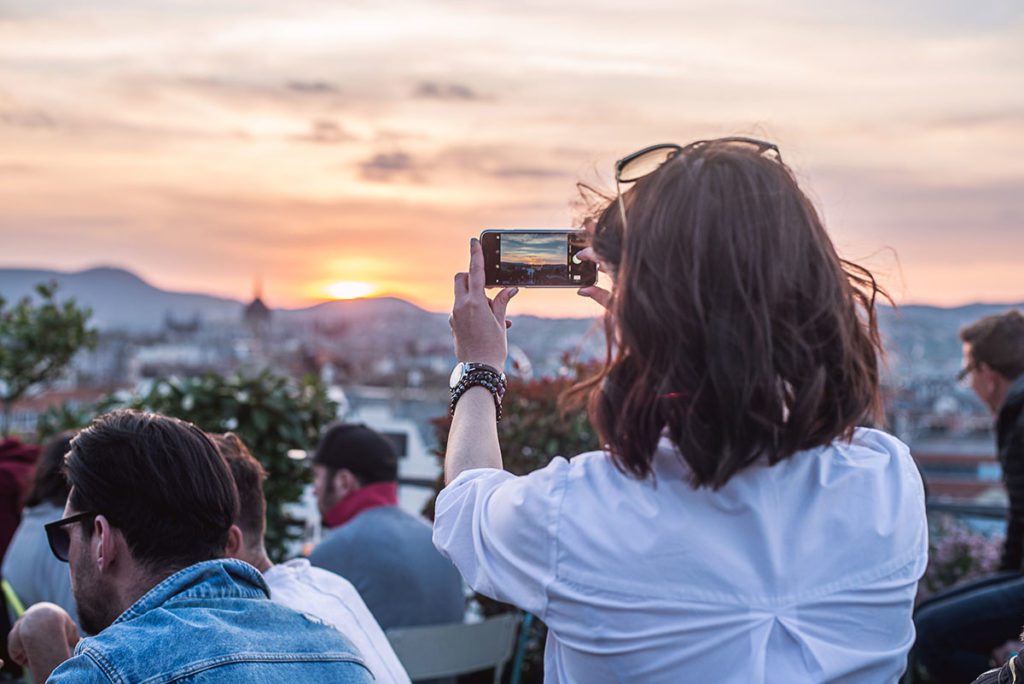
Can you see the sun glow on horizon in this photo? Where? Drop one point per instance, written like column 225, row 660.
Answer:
column 349, row 289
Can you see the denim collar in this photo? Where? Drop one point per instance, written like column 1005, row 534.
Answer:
column 222, row 578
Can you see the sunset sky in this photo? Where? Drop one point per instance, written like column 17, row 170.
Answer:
column 206, row 143
column 534, row 249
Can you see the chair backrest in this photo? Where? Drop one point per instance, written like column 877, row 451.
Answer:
column 454, row 649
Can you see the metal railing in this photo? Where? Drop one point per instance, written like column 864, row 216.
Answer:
column 967, row 509
column 425, row 482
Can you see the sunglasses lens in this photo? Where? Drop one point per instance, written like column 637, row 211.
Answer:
column 60, row 541
column 645, row 164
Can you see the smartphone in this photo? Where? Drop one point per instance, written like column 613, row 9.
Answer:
column 536, row 258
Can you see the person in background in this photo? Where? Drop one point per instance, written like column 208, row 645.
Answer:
column 958, row 630
column 296, row 584
column 147, row 521
column 29, row 565
column 17, row 461
column 1012, row 670
column 739, row 526
column 382, row 550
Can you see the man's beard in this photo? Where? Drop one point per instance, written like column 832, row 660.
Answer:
column 95, row 599
column 327, row 497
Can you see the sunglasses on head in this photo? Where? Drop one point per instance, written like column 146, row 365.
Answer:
column 59, row 537
column 642, row 163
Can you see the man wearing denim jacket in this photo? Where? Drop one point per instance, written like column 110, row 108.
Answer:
column 145, row 528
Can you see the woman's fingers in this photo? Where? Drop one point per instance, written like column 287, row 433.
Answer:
column 500, row 302
column 476, row 266
column 598, row 294
column 587, row 254
column 461, row 284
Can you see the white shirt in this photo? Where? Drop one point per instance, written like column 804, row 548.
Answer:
column 332, row 598
column 801, row 572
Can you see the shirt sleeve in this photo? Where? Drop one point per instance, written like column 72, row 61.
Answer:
column 500, row 531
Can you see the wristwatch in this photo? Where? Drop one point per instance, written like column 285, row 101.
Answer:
column 463, row 369
column 466, row 375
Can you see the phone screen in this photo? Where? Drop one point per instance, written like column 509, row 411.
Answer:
column 536, row 258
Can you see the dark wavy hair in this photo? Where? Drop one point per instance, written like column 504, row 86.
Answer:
column 159, row 480
column 248, row 474
column 49, row 485
column 734, row 326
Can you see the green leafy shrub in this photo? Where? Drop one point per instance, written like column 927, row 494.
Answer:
column 271, row 413
column 38, row 339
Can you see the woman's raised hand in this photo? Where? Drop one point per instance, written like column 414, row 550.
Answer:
column 478, row 323
column 598, row 294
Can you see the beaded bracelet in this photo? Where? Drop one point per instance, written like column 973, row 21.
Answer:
column 481, row 378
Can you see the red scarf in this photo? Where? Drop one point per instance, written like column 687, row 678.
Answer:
column 363, row 499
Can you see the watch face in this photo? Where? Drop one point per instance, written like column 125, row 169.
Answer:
column 456, row 375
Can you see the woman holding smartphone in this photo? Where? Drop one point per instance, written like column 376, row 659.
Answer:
column 739, row 525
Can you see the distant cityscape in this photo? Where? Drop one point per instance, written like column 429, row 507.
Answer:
column 395, row 356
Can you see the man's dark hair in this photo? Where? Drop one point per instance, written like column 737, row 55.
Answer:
column 998, row 342
column 160, row 481
column 49, row 485
column 361, row 450
column 249, row 475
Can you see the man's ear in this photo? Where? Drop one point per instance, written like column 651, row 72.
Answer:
column 345, row 482
column 988, row 375
column 236, row 541
column 107, row 543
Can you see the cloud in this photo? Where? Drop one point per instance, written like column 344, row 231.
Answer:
column 507, row 162
column 434, row 90
column 458, row 162
column 528, row 172
column 18, row 169
column 923, row 219
column 312, row 87
column 387, row 167
column 325, row 132
column 1004, row 118
column 243, row 93
column 27, row 119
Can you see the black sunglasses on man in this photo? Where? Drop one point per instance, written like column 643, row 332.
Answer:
column 59, row 537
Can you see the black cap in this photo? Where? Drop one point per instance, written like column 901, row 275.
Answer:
column 359, row 449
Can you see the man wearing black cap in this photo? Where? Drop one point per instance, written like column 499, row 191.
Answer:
column 385, row 552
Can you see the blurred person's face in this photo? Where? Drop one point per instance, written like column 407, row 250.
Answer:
column 94, row 593
column 985, row 382
column 331, row 486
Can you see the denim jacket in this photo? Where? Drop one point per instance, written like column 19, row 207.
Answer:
column 213, row 621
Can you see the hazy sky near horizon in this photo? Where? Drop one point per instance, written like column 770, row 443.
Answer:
column 204, row 144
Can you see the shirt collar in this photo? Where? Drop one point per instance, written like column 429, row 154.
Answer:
column 363, row 499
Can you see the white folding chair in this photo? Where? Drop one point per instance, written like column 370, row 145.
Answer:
column 453, row 649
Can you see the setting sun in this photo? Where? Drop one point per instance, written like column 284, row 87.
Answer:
column 349, row 289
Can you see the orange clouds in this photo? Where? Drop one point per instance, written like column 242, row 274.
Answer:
column 322, row 143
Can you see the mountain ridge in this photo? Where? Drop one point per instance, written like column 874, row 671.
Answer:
column 123, row 300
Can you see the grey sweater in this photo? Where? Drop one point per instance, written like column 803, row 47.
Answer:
column 34, row 572
column 389, row 556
